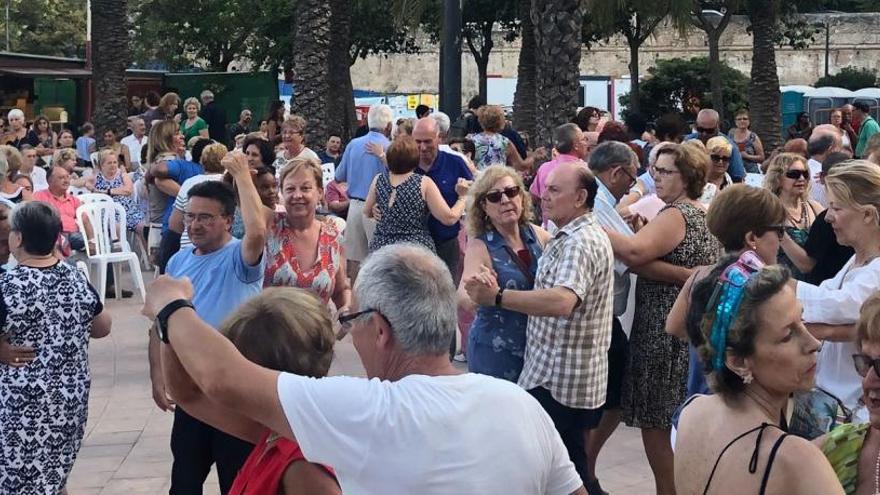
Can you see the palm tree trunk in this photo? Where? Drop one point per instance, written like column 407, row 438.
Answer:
column 340, row 103
column 311, row 68
column 764, row 85
column 111, row 57
column 524, row 99
column 558, row 26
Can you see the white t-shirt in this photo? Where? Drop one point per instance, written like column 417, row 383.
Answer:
column 182, row 199
column 134, row 147
column 38, row 177
column 428, row 435
column 817, row 190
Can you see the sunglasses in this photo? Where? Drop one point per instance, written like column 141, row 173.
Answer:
column 797, row 174
column 719, row 158
column 495, row 196
column 703, row 130
column 864, row 363
column 779, row 229
column 346, row 320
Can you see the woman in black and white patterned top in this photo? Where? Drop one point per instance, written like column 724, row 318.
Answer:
column 404, row 199
column 48, row 312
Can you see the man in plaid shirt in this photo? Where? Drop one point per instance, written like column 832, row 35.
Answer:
column 570, row 312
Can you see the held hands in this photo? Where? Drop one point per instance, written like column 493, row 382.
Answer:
column 15, row 356
column 482, row 286
column 462, row 186
column 164, row 290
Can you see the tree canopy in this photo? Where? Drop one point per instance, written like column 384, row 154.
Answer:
column 45, row 27
column 850, row 78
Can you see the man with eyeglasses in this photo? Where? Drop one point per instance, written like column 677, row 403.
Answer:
column 571, row 145
column 706, row 129
column 224, row 272
column 416, row 425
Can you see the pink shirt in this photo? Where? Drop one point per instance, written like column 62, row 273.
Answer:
column 540, row 181
column 66, row 207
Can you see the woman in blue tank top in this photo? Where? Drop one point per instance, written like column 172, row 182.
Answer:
column 502, row 239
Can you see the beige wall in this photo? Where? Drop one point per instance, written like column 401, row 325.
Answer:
column 855, row 41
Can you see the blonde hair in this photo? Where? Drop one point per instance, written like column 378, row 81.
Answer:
column 161, row 139
column 868, row 326
column 103, row 154
column 284, row 329
column 776, row 169
column 64, row 154
column 692, row 163
column 212, row 154
column 856, row 183
column 491, row 118
column 192, row 101
column 167, row 100
column 292, row 167
column 295, row 122
column 477, row 221
column 719, row 143
column 13, row 160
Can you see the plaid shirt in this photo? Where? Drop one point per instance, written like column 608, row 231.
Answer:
column 568, row 355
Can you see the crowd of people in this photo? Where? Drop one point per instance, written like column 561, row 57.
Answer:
column 749, row 278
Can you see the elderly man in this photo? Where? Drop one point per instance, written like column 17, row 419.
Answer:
column 214, row 116
column 444, row 169
column 707, row 128
column 571, row 146
column 824, row 140
column 243, row 126
column 56, row 195
column 867, row 126
column 570, row 313
column 443, row 124
column 417, row 425
column 225, row 272
column 136, row 140
column 357, row 168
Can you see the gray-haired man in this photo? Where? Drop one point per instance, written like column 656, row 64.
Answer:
column 418, row 425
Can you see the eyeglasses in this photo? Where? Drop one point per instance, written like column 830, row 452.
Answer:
column 346, row 321
column 864, row 363
column 664, row 172
column 495, row 196
column 720, row 158
column 704, row 130
column 779, row 229
column 207, row 219
column 797, row 174
column 632, row 178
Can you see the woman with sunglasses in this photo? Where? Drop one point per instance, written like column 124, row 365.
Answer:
column 854, row 449
column 831, row 308
column 789, row 178
column 404, row 199
column 757, row 353
column 719, row 149
column 501, row 237
column 654, row 381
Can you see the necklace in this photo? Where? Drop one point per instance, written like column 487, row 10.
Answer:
column 795, row 222
column 877, row 474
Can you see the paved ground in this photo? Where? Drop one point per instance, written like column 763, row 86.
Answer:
column 126, row 448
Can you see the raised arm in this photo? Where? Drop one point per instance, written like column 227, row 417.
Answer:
column 252, row 212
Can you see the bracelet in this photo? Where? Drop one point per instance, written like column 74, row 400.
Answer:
column 498, row 297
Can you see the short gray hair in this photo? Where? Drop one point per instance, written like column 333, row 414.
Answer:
column 610, row 154
column 564, row 137
column 443, row 122
column 207, row 94
column 379, row 117
column 15, row 113
column 412, row 288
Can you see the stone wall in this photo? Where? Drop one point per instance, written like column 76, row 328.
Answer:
column 855, row 41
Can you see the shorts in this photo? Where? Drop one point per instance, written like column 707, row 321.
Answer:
column 358, row 232
column 618, row 352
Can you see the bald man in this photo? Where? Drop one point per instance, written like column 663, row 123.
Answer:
column 707, row 127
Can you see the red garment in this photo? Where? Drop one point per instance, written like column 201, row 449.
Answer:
column 264, row 468
column 66, row 207
column 282, row 265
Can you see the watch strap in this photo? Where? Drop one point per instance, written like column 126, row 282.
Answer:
column 498, row 297
column 166, row 312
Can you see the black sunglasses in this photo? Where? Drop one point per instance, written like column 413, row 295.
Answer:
column 864, row 363
column 346, row 319
column 495, row 196
column 796, row 174
column 779, row 229
column 703, row 130
column 720, row 158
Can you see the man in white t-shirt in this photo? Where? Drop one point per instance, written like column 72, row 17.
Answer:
column 30, row 169
column 824, row 140
column 136, row 140
column 417, row 425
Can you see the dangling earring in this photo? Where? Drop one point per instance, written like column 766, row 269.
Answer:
column 747, row 379
column 753, row 247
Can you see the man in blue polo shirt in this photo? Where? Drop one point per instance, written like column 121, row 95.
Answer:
column 445, row 169
column 225, row 272
column 358, row 167
column 707, row 128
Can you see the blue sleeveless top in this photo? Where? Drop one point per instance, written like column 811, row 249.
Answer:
column 497, row 338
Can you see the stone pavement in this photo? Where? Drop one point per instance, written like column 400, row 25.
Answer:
column 126, row 447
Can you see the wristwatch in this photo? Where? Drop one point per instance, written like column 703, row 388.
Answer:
column 498, row 297
column 167, row 311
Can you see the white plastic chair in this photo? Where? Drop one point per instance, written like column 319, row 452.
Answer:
column 329, row 170
column 95, row 158
column 89, row 198
column 107, row 221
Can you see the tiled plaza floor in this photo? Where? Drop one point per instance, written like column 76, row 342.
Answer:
column 126, row 448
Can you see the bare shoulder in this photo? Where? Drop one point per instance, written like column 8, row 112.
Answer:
column 800, row 463
column 542, row 235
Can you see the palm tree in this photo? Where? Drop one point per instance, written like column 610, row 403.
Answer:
column 525, row 97
column 341, row 118
column 110, row 55
column 310, row 67
column 764, row 84
column 558, row 25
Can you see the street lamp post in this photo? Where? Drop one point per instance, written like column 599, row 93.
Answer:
column 450, row 59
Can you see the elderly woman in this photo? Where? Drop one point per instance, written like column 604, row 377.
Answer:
column 831, row 308
column 293, row 139
column 405, row 198
column 645, row 184
column 50, row 308
column 503, row 238
column 757, row 353
column 656, row 371
column 493, row 148
column 282, row 329
column 742, row 218
column 114, row 182
column 18, row 133
column 749, row 144
column 788, row 176
column 193, row 125
column 303, row 250
column 719, row 149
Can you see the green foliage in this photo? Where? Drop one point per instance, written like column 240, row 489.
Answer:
column 850, row 78
column 475, row 15
column 45, row 27
column 374, row 32
column 682, row 86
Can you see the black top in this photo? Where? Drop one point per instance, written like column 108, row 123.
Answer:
column 822, row 246
column 214, row 116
